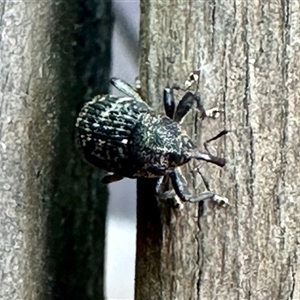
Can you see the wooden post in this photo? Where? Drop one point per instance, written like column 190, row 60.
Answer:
column 248, row 56
column 52, row 206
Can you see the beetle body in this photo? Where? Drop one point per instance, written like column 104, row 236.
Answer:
column 125, row 136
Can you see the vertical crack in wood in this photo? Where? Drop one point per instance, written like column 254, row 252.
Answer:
column 292, row 267
column 247, row 104
column 213, row 24
column 199, row 252
column 284, row 139
column 247, row 109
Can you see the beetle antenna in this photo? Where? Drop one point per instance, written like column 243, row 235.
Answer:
column 219, row 161
column 205, row 181
column 125, row 88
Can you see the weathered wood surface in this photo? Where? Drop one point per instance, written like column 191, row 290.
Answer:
column 248, row 54
column 52, row 207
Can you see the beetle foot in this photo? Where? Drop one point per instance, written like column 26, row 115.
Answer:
column 171, row 195
column 220, row 202
column 178, row 203
column 202, row 197
column 166, row 195
column 193, row 77
column 111, row 177
column 213, row 113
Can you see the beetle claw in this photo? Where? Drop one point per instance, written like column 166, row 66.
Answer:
column 220, row 202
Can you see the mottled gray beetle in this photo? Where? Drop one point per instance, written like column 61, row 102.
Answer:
column 123, row 135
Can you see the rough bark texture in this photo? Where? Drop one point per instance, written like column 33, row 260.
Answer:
column 52, row 208
column 248, row 54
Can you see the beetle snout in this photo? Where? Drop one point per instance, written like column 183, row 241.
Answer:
column 177, row 159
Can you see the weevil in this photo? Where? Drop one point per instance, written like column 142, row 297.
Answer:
column 127, row 138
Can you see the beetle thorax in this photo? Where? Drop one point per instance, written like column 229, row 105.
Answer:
column 160, row 143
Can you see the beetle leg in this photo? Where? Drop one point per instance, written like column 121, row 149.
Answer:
column 164, row 192
column 219, row 201
column 181, row 189
column 185, row 105
column 159, row 184
column 109, row 178
column 162, row 188
column 169, row 102
column 180, row 186
column 223, row 132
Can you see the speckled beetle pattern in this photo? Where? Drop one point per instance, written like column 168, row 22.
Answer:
column 127, row 138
